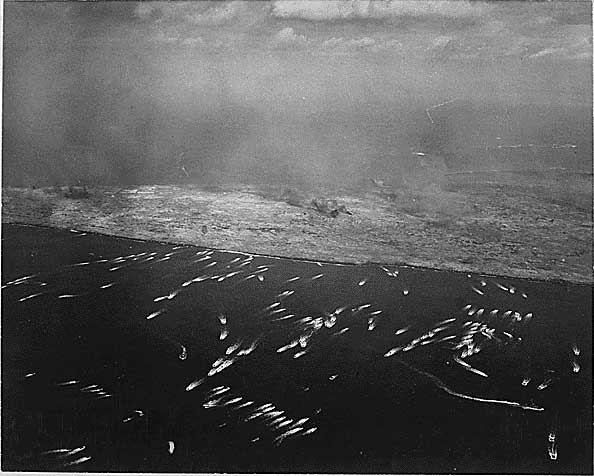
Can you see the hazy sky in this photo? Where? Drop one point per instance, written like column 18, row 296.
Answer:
column 242, row 85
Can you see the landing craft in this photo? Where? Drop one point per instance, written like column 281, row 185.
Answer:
column 218, row 362
column 553, row 452
column 446, row 321
column 544, row 385
column 288, row 346
column 576, row 349
column 285, row 423
column 194, row 384
column 220, row 367
column 575, row 367
column 211, row 403
column 253, row 416
column 478, row 372
column 274, row 414
column 461, row 362
column 279, row 439
column 243, row 405
column 250, row 349
column 361, row 307
column 57, row 451
column 26, row 298
column 67, row 296
column 232, row 348
column 330, row 322
column 233, row 400
column 276, row 311
column 273, row 305
column 154, row 314
column 172, row 295
column 78, row 461
column 516, row 317
column 217, row 391
column 500, row 286
column 340, row 310
column 275, row 421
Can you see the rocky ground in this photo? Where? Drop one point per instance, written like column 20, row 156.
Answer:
column 507, row 227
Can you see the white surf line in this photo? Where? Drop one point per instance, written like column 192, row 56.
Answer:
column 300, row 260
column 446, row 389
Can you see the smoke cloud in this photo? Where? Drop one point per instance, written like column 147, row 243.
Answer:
column 289, row 92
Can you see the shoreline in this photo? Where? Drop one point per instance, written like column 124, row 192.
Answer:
column 440, row 232
column 307, row 260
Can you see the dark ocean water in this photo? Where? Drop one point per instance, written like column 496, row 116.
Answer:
column 123, row 355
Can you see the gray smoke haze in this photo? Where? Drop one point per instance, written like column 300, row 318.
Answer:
column 290, row 92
